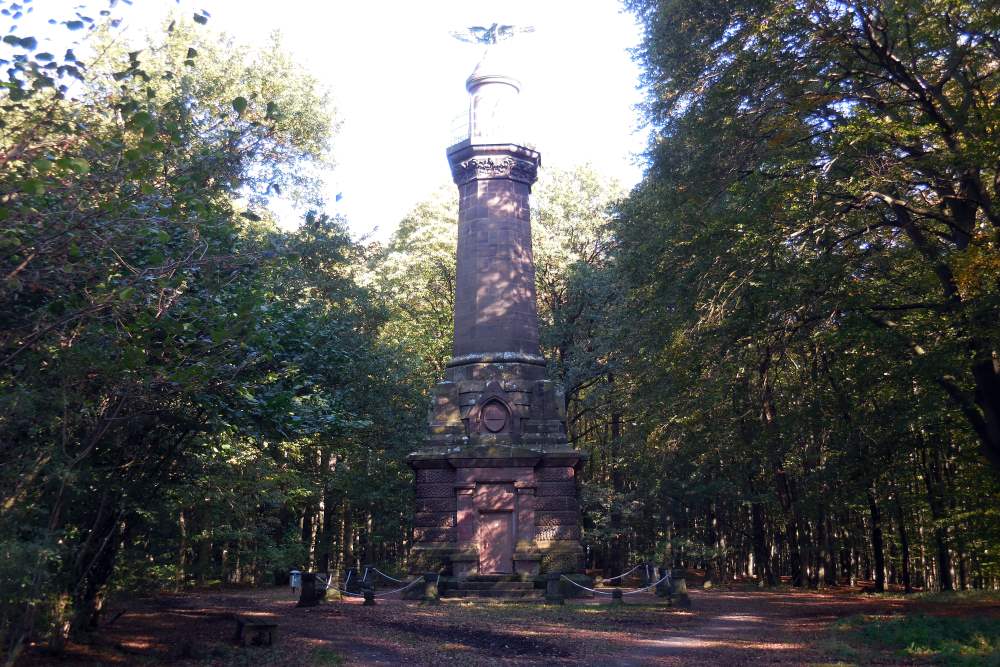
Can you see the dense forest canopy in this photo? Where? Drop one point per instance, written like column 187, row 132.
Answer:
column 780, row 350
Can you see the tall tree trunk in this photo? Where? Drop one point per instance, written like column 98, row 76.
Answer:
column 308, row 524
column 347, row 535
column 934, row 482
column 762, row 556
column 878, row 546
column 904, row 544
column 182, row 549
column 324, row 549
column 785, row 493
column 616, row 520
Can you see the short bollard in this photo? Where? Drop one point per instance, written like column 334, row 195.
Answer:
column 616, row 598
column 310, row 595
column 431, row 593
column 662, row 585
column 552, row 593
column 678, row 589
column 369, row 594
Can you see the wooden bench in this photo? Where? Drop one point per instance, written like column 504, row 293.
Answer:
column 262, row 631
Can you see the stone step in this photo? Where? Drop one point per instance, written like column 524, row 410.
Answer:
column 494, row 585
column 492, row 577
column 514, row 594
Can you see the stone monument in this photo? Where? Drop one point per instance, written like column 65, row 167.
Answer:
column 496, row 480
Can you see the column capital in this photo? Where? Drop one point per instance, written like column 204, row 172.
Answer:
column 471, row 162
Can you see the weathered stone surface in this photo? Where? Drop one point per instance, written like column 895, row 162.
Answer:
column 556, row 489
column 436, row 504
column 434, row 490
column 562, row 557
column 566, row 518
column 436, row 475
column 434, row 534
column 548, row 533
column 555, row 474
column 556, row 503
column 434, row 519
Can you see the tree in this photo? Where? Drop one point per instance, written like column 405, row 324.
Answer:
column 794, row 342
column 131, row 333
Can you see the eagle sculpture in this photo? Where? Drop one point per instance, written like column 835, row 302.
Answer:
column 478, row 34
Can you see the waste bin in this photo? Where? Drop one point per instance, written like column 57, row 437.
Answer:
column 295, row 579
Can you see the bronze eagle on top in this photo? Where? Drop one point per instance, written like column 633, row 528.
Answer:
column 478, row 34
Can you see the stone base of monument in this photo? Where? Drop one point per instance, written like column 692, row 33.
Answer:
column 570, row 591
column 491, row 586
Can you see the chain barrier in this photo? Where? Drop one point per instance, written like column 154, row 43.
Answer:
column 625, row 574
column 328, row 584
column 399, row 590
column 378, row 571
column 665, row 577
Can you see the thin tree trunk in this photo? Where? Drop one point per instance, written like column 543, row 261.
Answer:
column 904, row 544
column 878, row 547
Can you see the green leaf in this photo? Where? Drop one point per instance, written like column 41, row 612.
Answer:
column 74, row 25
column 79, row 165
column 240, row 105
column 200, row 18
column 126, row 293
column 42, row 165
column 192, row 52
column 33, row 186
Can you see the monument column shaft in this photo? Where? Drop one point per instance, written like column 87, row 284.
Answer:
column 495, row 309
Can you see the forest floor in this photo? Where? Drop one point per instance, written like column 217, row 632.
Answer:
column 723, row 627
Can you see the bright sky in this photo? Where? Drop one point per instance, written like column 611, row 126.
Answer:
column 398, row 81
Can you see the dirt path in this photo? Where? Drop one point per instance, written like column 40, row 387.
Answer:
column 722, row 628
column 737, row 628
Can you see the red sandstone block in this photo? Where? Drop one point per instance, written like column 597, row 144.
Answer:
column 426, row 490
column 555, row 503
column 509, row 475
column 439, row 475
column 434, row 519
column 560, row 473
column 557, row 533
column 434, row 534
column 436, row 505
column 564, row 518
column 555, row 489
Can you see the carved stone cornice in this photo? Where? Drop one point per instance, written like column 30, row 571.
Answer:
column 489, row 166
column 487, row 161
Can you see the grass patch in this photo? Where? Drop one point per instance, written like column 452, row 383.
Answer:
column 325, row 656
column 945, row 640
